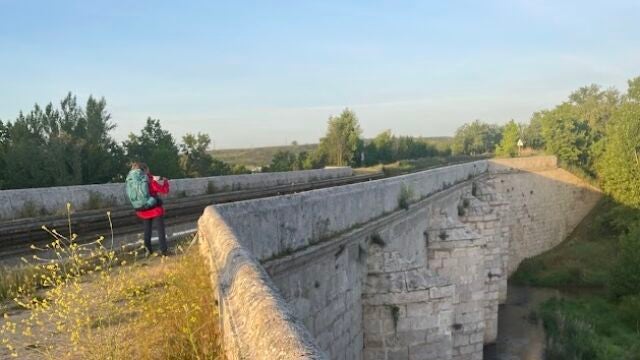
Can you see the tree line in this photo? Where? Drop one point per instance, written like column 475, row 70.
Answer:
column 343, row 145
column 72, row 145
column 595, row 132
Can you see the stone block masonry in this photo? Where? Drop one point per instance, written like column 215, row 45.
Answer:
column 256, row 322
column 411, row 267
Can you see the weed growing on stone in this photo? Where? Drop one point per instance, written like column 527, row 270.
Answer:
column 29, row 210
column 395, row 315
column 377, row 239
column 406, row 193
column 462, row 207
column 90, row 302
column 211, row 188
column 98, row 201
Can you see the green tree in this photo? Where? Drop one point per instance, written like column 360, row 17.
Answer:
column 475, row 138
column 196, row 161
column 238, row 169
column 103, row 158
column 595, row 106
column 301, row 161
column 619, row 166
column 25, row 162
column 509, row 144
column 633, row 93
column 219, row 167
column 566, row 135
column 339, row 146
column 283, row 160
column 65, row 146
column 156, row 147
column 383, row 145
column 407, row 147
column 315, row 160
column 532, row 132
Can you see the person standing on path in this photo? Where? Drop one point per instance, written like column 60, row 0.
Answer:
column 157, row 186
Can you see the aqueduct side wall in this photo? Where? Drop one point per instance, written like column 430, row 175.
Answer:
column 412, row 267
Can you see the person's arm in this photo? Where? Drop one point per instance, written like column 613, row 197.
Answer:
column 161, row 189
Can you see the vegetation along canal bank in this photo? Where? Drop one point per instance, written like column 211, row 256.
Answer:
column 585, row 293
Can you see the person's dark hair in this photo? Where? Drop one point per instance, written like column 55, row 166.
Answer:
column 139, row 165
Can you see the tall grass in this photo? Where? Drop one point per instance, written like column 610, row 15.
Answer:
column 589, row 328
column 93, row 303
column 17, row 279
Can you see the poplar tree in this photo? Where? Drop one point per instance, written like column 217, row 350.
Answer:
column 342, row 140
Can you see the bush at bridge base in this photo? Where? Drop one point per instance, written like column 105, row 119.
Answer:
column 589, row 328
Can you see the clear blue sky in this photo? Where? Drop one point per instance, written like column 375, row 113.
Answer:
column 254, row 73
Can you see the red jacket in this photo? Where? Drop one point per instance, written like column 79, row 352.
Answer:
column 154, row 190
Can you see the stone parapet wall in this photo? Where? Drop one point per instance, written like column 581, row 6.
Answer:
column 532, row 164
column 256, row 321
column 19, row 203
column 292, row 222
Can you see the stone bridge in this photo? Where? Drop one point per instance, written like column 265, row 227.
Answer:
column 410, row 267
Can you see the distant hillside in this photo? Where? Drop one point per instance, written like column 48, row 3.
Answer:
column 439, row 141
column 261, row 156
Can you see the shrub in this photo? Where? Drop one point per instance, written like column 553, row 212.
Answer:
column 616, row 219
column 629, row 308
column 625, row 276
column 569, row 338
column 588, row 328
column 406, row 193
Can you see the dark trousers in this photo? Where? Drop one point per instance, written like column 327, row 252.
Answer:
column 162, row 237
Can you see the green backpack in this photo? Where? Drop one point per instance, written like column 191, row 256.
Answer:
column 137, row 188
